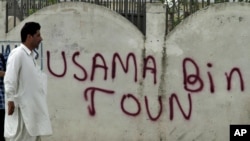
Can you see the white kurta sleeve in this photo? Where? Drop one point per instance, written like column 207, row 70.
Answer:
column 12, row 75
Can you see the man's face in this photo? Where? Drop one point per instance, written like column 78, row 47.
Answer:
column 36, row 39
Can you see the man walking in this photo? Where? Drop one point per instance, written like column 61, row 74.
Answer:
column 26, row 117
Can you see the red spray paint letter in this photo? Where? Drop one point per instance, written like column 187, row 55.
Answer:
column 192, row 81
column 92, row 91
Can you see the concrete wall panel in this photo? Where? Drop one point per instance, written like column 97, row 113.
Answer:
column 208, row 61
column 80, row 42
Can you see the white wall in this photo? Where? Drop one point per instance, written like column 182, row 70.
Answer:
column 140, row 104
column 207, row 47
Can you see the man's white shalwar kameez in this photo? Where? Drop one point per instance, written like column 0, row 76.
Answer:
column 26, row 85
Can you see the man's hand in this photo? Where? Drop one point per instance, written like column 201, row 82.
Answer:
column 11, row 107
column 2, row 73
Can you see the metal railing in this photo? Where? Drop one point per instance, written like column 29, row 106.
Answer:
column 133, row 10
column 178, row 10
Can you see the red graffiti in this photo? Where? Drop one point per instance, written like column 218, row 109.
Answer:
column 210, row 79
column 137, row 102
column 100, row 64
column 125, row 68
column 229, row 79
column 96, row 66
column 171, row 105
column 85, row 74
column 194, row 81
column 172, row 98
column 64, row 64
column 147, row 107
column 92, row 91
column 153, row 68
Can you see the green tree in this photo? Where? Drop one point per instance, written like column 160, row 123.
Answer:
column 44, row 3
column 52, row 1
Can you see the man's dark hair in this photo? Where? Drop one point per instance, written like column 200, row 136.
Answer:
column 29, row 28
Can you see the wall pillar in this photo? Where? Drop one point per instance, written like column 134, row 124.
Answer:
column 155, row 25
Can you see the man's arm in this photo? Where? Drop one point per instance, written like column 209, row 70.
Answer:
column 11, row 80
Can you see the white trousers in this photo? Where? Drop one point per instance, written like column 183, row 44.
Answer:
column 22, row 133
